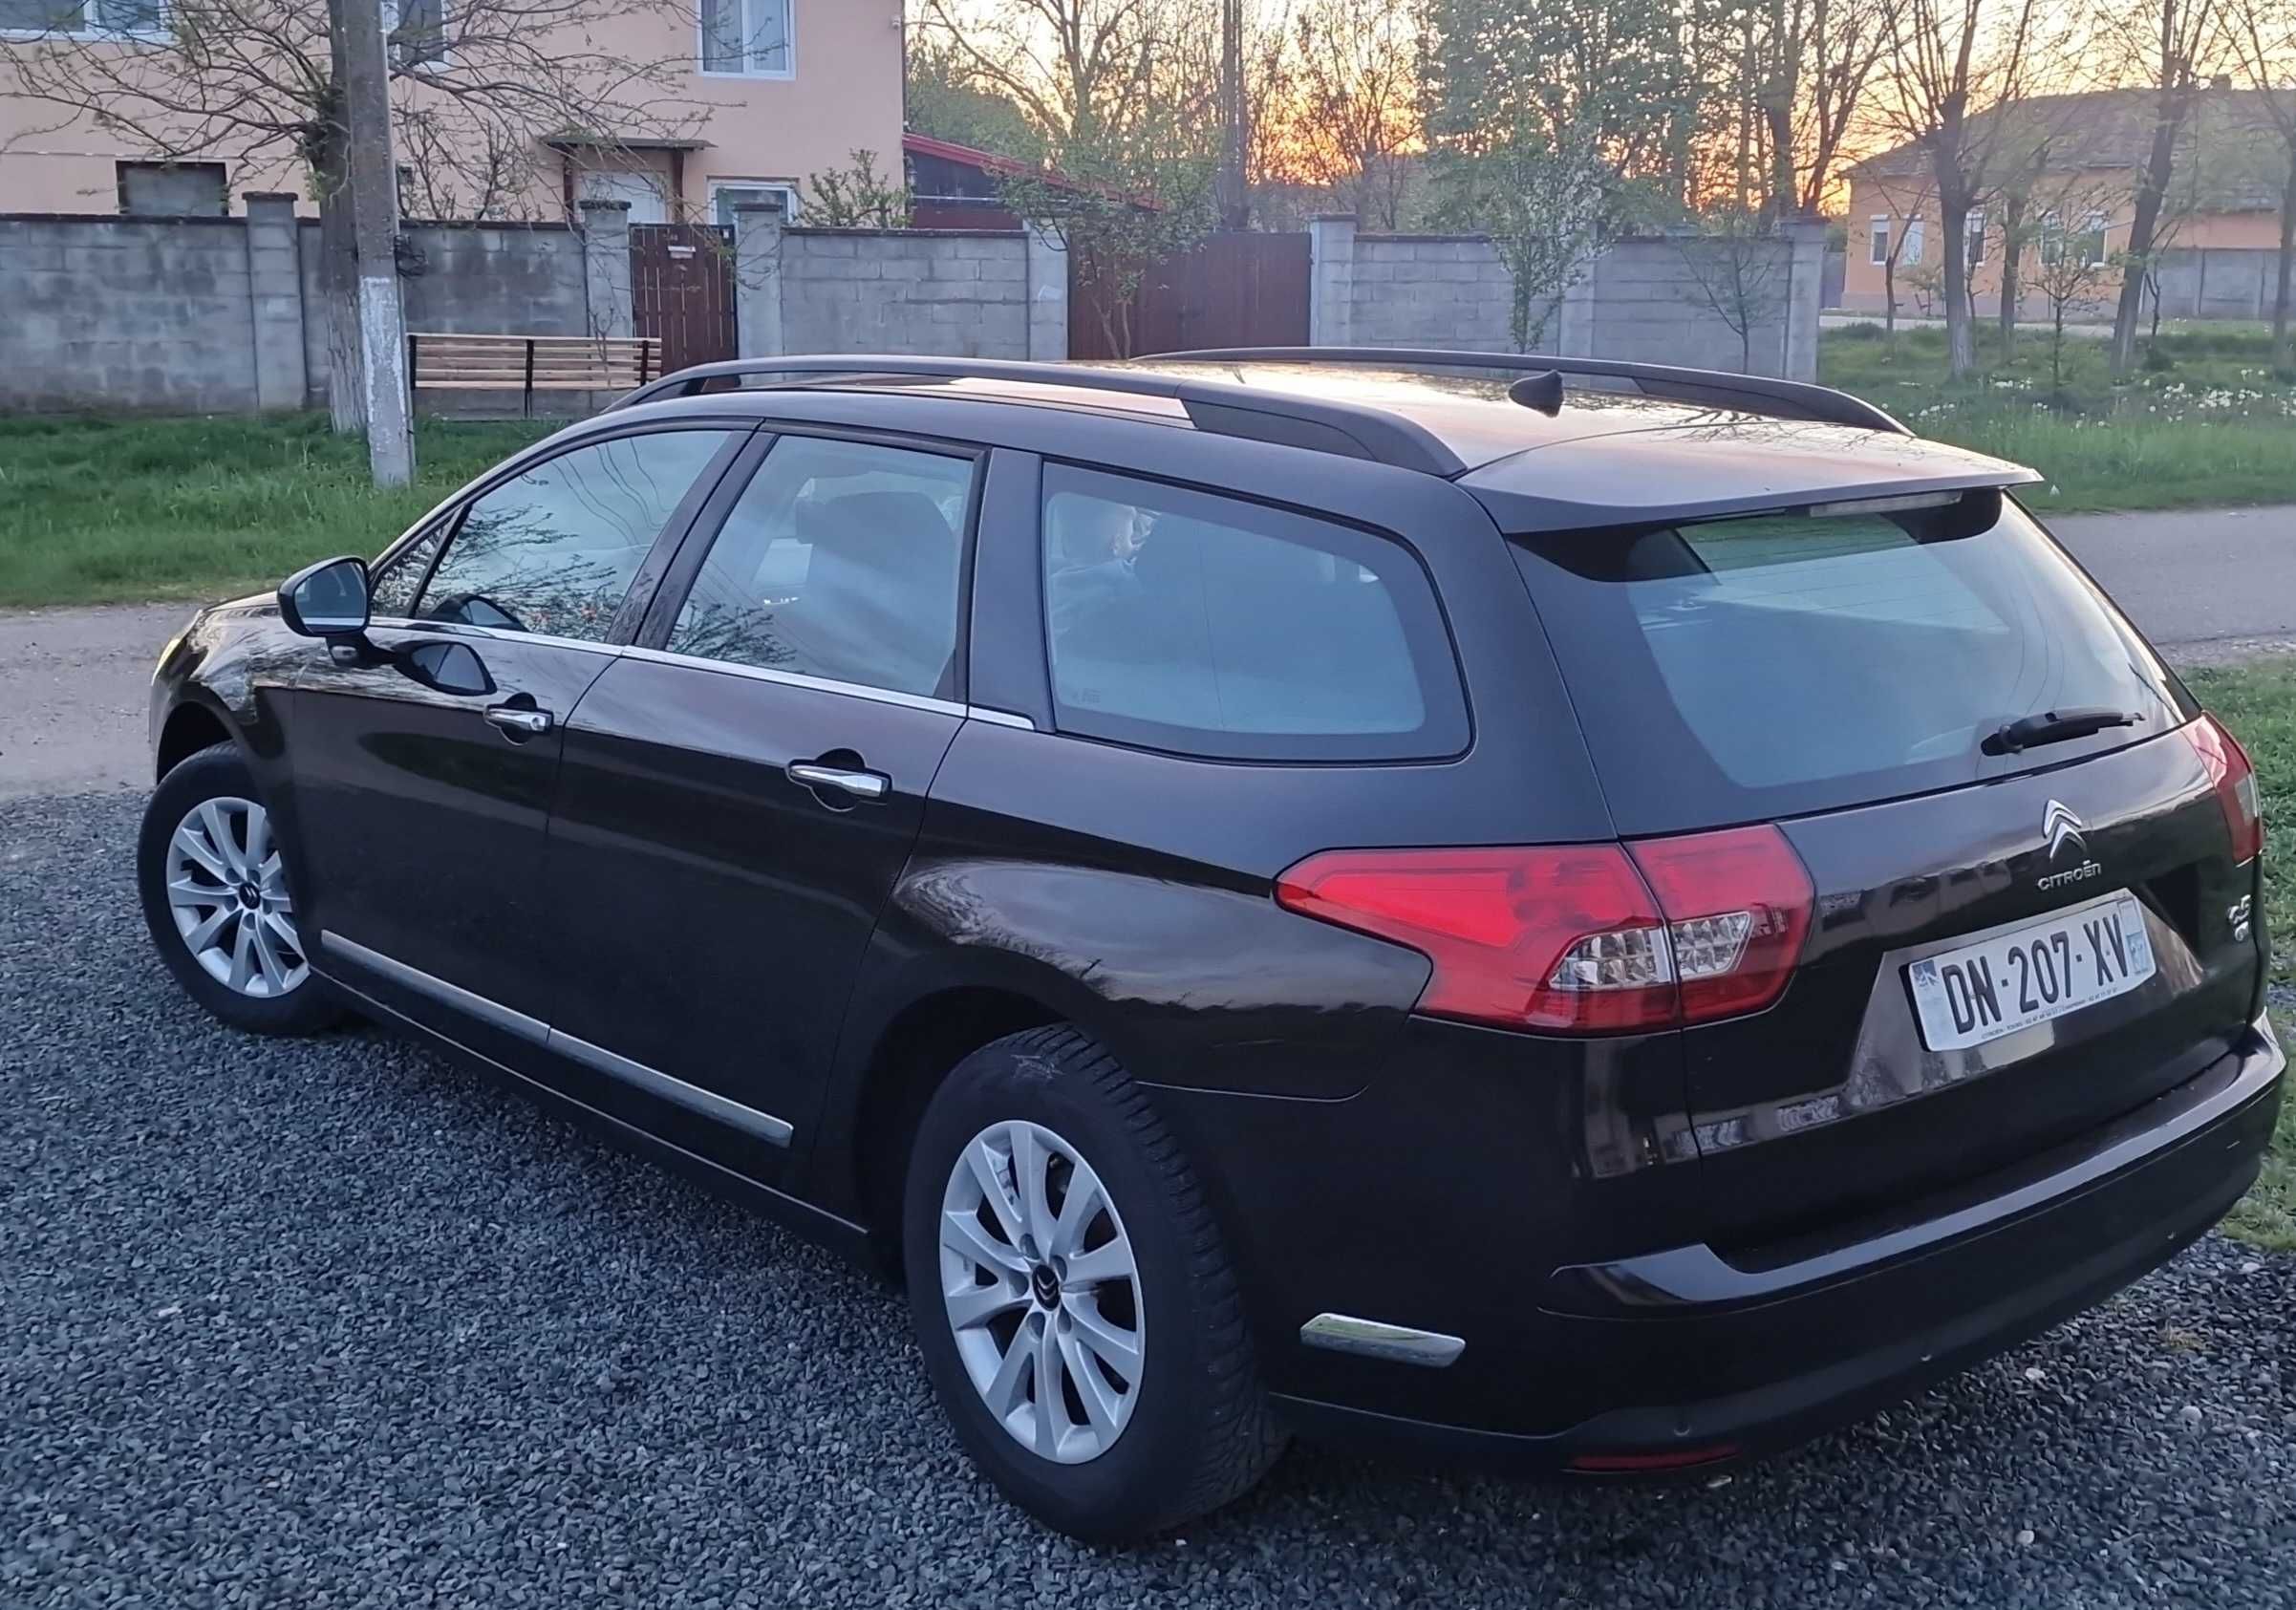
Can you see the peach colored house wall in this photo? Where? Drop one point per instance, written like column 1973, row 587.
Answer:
column 842, row 94
column 2108, row 192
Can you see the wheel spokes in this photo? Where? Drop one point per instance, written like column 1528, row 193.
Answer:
column 1118, row 1349
column 1104, row 1407
column 962, row 1232
column 1052, row 1409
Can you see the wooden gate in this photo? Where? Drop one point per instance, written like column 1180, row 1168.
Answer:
column 1233, row 291
column 681, row 288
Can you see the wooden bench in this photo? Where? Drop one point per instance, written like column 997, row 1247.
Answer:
column 527, row 364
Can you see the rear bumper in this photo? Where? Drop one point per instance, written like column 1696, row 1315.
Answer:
column 1705, row 1358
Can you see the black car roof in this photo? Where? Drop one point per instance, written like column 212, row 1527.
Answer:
column 1589, row 456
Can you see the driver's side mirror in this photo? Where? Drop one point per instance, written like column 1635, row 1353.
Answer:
column 328, row 599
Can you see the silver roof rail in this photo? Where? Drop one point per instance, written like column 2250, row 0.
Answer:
column 1356, row 430
column 1751, row 394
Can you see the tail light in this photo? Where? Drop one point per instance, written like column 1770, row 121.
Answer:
column 2234, row 780
column 1578, row 938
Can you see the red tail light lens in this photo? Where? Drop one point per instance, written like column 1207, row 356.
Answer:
column 1578, row 938
column 2235, row 781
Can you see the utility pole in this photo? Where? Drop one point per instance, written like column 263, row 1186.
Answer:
column 366, row 103
column 1235, row 196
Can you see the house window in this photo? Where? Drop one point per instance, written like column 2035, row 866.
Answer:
column 85, row 19
column 1877, row 241
column 1973, row 237
column 173, row 189
column 746, row 37
column 1912, row 255
column 2090, row 241
column 416, row 32
column 727, row 196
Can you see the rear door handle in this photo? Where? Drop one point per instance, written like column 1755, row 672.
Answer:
column 861, row 784
column 520, row 723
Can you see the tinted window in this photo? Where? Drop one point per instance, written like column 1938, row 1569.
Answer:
column 1201, row 624
column 554, row 549
column 392, row 587
column 1766, row 667
column 842, row 559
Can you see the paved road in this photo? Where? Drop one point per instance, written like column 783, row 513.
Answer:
column 2207, row 585
column 331, row 1322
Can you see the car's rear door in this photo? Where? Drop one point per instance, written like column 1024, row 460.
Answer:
column 424, row 797
column 739, row 790
column 2016, row 932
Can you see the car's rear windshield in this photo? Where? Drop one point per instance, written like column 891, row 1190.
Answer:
column 1741, row 670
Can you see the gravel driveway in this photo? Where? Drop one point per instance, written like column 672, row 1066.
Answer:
column 332, row 1323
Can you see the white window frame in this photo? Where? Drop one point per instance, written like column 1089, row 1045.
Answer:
column 393, row 17
column 93, row 32
column 2101, row 226
column 1973, row 238
column 1915, row 241
column 1878, row 228
column 789, row 47
column 790, row 199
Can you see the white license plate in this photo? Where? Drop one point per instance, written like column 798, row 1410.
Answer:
column 2029, row 975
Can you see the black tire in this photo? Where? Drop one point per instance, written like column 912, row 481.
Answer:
column 216, row 772
column 1199, row 1434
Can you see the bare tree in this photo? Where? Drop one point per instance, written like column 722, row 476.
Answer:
column 1355, row 113
column 2071, row 267
column 476, row 86
column 2178, row 39
column 1954, row 67
column 1907, row 203
column 1736, row 263
column 2262, row 35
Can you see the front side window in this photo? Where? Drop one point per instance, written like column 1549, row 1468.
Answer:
column 1911, row 256
column 1203, row 625
column 745, row 36
column 1878, row 239
column 554, row 549
column 842, row 560
column 416, row 32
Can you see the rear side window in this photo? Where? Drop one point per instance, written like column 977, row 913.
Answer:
column 1758, row 667
column 1203, row 625
column 554, row 549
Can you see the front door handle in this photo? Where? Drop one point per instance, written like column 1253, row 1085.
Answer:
column 861, row 784
column 520, row 723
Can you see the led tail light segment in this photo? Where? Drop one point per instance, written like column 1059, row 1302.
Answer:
column 2235, row 782
column 1578, row 938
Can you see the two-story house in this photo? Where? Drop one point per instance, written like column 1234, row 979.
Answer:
column 745, row 98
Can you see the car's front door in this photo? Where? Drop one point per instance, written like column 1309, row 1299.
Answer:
column 424, row 766
column 739, row 792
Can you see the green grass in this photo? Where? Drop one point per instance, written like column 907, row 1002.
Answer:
column 108, row 510
column 2205, row 421
column 2258, row 703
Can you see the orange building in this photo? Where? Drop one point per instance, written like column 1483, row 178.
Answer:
column 2062, row 172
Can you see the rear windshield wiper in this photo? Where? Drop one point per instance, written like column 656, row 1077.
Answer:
column 2054, row 726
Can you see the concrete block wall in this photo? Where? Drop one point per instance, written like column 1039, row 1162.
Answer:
column 1639, row 300
column 939, row 292
column 153, row 314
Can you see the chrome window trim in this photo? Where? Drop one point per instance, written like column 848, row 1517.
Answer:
column 492, row 1013
column 1000, row 718
column 798, row 679
column 709, row 1103
column 774, row 1132
column 584, row 645
column 1402, row 1344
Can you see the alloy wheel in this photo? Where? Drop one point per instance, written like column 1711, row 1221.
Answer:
column 226, row 890
column 1041, row 1291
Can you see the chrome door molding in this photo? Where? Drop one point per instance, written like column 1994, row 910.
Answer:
column 774, row 1131
column 492, row 1013
column 764, row 1125
column 1371, row 1338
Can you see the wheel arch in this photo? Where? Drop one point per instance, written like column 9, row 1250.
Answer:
column 191, row 727
column 906, row 1059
